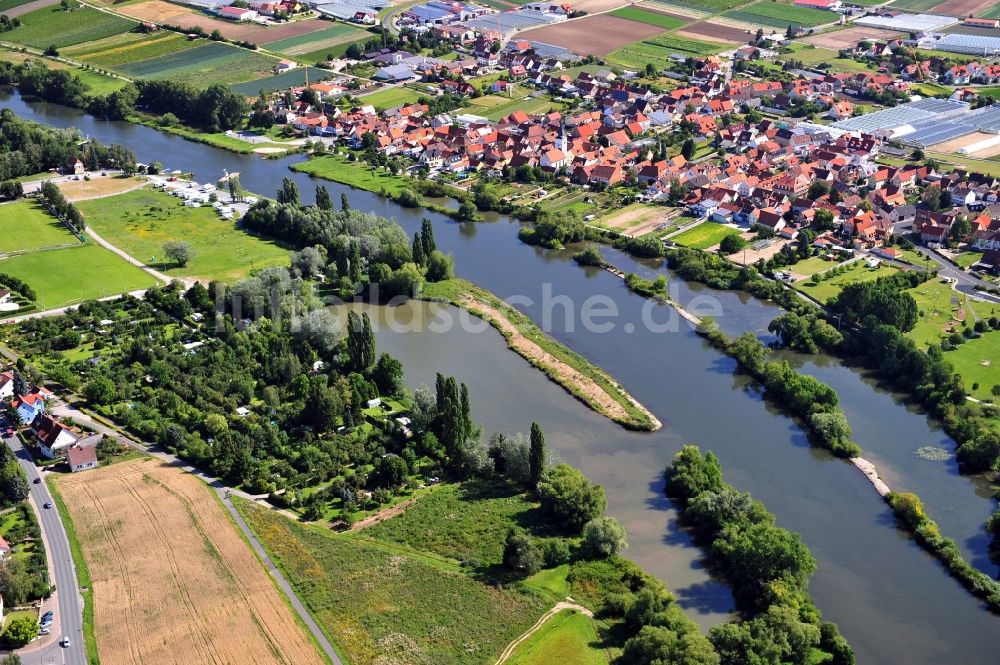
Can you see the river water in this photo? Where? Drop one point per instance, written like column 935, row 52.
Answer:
column 893, row 602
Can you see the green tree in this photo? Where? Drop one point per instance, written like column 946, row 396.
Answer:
column 687, row 149
column 178, row 251
column 100, row 391
column 427, row 236
column 21, row 630
column 536, row 455
column 690, row 474
column 440, row 267
column 731, row 244
column 389, row 471
column 603, row 537
column 323, row 201
column 521, row 555
column 657, row 645
column 567, row 495
column 345, row 205
column 289, row 192
column 388, row 375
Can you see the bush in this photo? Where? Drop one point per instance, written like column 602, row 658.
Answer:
column 568, row 496
column 603, row 537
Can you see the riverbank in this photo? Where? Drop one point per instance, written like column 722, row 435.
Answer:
column 578, row 376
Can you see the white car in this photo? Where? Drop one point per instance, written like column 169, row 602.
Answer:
column 64, row 642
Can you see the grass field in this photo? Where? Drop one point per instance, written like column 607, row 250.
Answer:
column 383, row 603
column 97, row 84
column 54, row 27
column 173, row 579
column 658, row 49
column 113, row 54
column 776, row 15
column 977, row 361
column 918, row 5
column 816, row 56
column 325, row 52
column 140, row 221
column 703, row 236
column 64, row 276
column 648, row 17
column 940, row 308
column 355, row 174
column 495, row 107
column 858, row 272
column 10, row 4
column 391, row 97
column 26, row 226
column 568, row 632
column 212, row 62
column 811, row 266
column 930, row 89
column 466, row 522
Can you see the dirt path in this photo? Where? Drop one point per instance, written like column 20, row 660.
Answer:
column 574, row 381
column 383, row 515
column 567, row 604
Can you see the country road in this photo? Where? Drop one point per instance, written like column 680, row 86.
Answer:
column 67, row 604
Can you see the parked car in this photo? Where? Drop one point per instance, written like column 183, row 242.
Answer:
column 44, row 631
column 48, row 616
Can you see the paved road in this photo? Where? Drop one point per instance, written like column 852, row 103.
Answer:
column 68, row 603
column 964, row 282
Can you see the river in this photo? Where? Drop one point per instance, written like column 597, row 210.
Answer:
column 893, row 602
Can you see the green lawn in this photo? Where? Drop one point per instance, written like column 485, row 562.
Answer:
column 660, row 48
column 811, row 266
column 703, row 236
column 391, row 97
column 52, row 26
column 65, row 276
column 496, row 107
column 381, row 601
column 817, row 56
column 857, row 272
column 567, row 637
column 356, row 174
column 966, row 259
column 11, row 4
column 931, row 89
column 26, row 226
column 466, row 522
column 648, row 17
column 140, row 221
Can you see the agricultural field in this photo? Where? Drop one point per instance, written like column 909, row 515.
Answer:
column 337, row 33
column 53, row 26
column 915, row 5
column 962, row 8
column 211, row 62
column 659, row 19
column 158, row 11
column 774, row 15
column 659, row 49
column 391, row 97
column 704, row 235
column 593, row 35
column 714, row 31
column 567, row 632
column 71, row 275
column 140, row 221
column 383, row 603
column 706, row 6
column 280, row 81
column 172, row 578
column 857, row 272
column 114, row 52
column 27, row 226
column 849, row 37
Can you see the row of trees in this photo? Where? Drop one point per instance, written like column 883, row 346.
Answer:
column 768, row 567
column 60, row 206
column 214, row 109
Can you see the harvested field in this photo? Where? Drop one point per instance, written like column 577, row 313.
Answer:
column 962, row 8
column 593, row 35
column 97, row 187
column 841, row 39
column 636, row 220
column 715, row 32
column 293, row 29
column 158, row 11
column 173, row 580
column 960, row 142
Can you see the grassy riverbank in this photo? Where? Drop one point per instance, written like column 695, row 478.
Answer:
column 355, row 174
column 581, row 378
